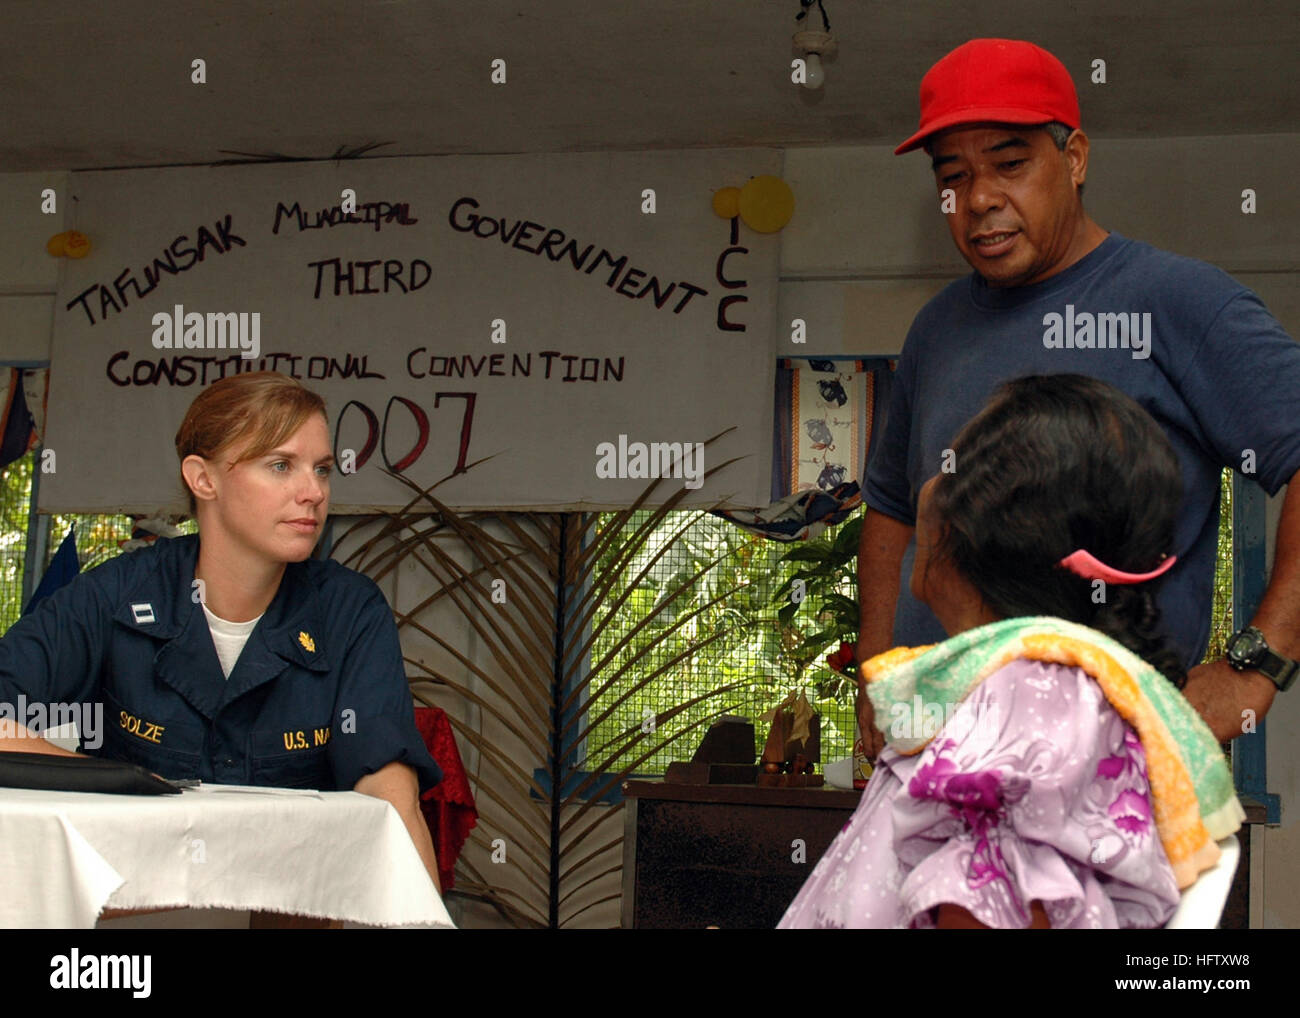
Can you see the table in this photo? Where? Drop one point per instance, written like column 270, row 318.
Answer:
column 68, row 856
column 722, row 855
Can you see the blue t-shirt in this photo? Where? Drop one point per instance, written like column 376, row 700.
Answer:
column 1200, row 353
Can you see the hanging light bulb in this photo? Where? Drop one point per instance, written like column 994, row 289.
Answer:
column 813, row 44
column 814, row 74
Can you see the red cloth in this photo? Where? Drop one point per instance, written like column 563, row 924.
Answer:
column 448, row 807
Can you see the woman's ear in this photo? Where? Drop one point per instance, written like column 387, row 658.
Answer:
column 198, row 474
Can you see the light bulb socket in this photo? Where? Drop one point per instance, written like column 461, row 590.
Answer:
column 821, row 43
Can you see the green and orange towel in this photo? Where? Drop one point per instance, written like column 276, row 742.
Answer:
column 1192, row 795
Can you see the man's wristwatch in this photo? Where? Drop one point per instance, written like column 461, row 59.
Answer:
column 1247, row 648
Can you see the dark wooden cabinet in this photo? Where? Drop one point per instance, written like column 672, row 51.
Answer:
column 732, row 856
column 725, row 855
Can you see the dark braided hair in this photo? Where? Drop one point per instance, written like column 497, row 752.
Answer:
column 1051, row 464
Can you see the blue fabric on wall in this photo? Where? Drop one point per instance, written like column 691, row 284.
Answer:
column 63, row 568
column 17, row 437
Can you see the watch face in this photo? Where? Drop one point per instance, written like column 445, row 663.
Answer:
column 1248, row 647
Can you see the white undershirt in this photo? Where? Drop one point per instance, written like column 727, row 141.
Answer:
column 229, row 638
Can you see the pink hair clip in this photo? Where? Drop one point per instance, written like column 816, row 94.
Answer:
column 1085, row 564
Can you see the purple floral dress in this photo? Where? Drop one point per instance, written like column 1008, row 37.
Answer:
column 1038, row 793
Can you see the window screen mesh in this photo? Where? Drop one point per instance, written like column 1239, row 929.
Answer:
column 722, row 626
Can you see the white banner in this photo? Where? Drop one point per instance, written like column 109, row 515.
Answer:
column 528, row 308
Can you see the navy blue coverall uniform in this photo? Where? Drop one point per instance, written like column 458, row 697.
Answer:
column 317, row 699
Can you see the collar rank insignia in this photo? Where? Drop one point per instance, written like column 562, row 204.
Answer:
column 143, row 612
column 307, row 642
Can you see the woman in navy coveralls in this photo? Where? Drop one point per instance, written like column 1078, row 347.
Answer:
column 316, row 696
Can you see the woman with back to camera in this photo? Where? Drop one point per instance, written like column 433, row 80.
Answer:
column 1041, row 768
column 231, row 655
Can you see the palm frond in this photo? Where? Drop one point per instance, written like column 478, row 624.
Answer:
column 522, row 667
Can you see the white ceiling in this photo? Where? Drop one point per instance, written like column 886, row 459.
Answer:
column 107, row 84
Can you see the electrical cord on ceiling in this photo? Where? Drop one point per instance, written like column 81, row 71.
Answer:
column 804, row 13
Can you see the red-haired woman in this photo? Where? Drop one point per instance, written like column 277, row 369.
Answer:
column 231, row 655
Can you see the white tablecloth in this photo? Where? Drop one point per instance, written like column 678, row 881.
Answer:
column 66, row 856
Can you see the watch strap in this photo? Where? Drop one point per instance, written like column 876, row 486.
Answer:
column 1281, row 670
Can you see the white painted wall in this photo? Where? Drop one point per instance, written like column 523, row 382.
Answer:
column 28, row 275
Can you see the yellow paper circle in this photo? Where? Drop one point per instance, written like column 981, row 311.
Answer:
column 77, row 245
column 57, row 245
column 726, row 202
column 766, row 204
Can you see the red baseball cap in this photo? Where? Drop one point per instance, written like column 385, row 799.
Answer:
column 1008, row 81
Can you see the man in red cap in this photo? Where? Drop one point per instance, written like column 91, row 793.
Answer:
column 1053, row 292
column 968, row 101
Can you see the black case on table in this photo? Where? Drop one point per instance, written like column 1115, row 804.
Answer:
column 80, row 774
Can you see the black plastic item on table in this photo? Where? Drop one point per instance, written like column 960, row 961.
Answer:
column 80, row 774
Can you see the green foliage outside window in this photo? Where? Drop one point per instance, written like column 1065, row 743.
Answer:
column 1221, row 620
column 98, row 536
column 767, row 655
